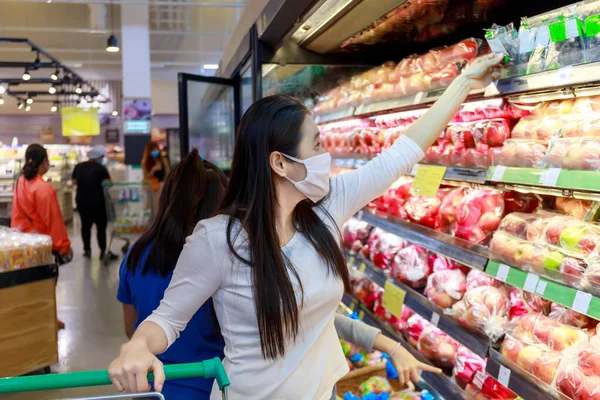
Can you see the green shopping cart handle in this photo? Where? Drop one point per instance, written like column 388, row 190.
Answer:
column 205, row 369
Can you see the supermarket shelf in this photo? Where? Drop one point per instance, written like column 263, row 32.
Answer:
column 580, row 301
column 27, row 275
column 420, row 304
column 335, row 116
column 441, row 384
column 459, row 174
column 469, row 254
column 513, row 379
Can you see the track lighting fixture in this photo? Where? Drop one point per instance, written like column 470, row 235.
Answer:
column 52, row 89
column 1, row 101
column 26, row 75
column 21, row 105
column 29, row 100
column 54, row 107
column 78, row 89
column 112, row 44
column 2, row 89
column 83, row 101
column 115, row 113
column 95, row 104
column 28, row 108
column 54, row 75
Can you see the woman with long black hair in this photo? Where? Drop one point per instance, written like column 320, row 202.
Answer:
column 271, row 260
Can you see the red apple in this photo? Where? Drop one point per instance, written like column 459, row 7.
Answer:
column 545, row 367
column 562, row 338
column 527, row 356
column 569, row 380
column 511, row 348
column 589, row 389
column 589, row 360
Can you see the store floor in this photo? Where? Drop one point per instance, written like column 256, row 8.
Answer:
column 94, row 321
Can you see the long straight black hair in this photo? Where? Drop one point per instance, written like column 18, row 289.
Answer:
column 193, row 190
column 273, row 124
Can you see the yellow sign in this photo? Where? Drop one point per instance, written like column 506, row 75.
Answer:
column 393, row 299
column 361, row 315
column 362, row 267
column 80, row 121
column 428, row 180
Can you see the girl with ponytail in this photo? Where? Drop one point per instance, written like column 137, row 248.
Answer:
column 35, row 206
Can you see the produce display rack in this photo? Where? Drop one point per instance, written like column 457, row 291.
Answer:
column 477, row 343
column 512, row 379
column 467, row 253
column 442, row 384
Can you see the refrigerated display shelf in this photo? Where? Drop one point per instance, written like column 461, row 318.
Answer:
column 441, row 384
column 467, row 253
column 513, row 379
column 420, row 304
column 565, row 79
column 578, row 300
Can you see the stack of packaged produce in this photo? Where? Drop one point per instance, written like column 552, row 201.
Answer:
column 23, row 250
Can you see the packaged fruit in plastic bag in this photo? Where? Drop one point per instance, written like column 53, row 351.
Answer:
column 423, row 210
column 477, row 278
column 384, row 247
column 572, row 236
column 355, row 234
column 516, row 224
column 541, row 330
column 577, row 154
column 517, row 305
column 537, row 304
column 479, row 215
column 567, row 316
column 523, row 153
column 446, row 287
column 484, row 309
column 411, row 266
column 414, row 328
column 446, row 217
column 437, row 347
column 573, row 207
column 467, row 364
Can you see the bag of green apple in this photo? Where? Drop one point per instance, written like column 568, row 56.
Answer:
column 571, row 236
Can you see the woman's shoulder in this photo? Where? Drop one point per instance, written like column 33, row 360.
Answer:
column 213, row 230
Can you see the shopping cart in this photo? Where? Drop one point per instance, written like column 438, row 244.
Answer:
column 205, row 369
column 130, row 208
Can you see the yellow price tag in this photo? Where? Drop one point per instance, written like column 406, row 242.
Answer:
column 362, row 267
column 361, row 315
column 393, row 299
column 428, row 180
column 351, row 261
column 352, row 306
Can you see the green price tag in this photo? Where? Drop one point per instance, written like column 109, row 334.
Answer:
column 428, row 180
column 393, row 299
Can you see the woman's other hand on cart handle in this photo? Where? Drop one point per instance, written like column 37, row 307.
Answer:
column 426, row 130
column 406, row 365
column 128, row 372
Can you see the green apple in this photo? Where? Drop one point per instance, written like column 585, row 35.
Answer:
column 570, row 237
column 552, row 264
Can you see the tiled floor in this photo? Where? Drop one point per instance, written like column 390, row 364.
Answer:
column 94, row 321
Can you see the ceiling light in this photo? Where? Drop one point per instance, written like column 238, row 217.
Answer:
column 2, row 89
column 52, row 89
column 54, row 75
column 112, row 44
column 54, row 108
column 210, row 66
column 78, row 90
column 29, row 100
column 28, row 108
column 95, row 104
column 1, row 101
column 83, row 100
column 21, row 105
column 26, row 75
column 115, row 113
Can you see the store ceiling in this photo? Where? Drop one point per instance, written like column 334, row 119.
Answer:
column 185, row 34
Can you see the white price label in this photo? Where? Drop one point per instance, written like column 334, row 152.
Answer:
column 359, row 215
column 418, row 98
column 504, row 376
column 502, row 273
column 526, row 41
column 496, row 46
column 542, row 38
column 531, row 282
column 435, row 318
column 541, row 288
column 564, row 76
column 581, row 302
column 550, row 176
column 572, row 28
column 498, row 173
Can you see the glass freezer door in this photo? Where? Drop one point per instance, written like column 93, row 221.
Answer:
column 208, row 116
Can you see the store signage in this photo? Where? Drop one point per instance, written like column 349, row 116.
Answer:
column 80, row 121
column 393, row 299
column 428, row 180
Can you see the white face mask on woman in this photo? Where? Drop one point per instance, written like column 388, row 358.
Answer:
column 316, row 184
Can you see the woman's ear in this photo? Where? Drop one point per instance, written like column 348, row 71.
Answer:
column 278, row 164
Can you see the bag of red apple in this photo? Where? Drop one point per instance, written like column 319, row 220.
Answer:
column 477, row 278
column 575, row 153
column 573, row 207
column 479, row 215
column 536, row 304
column 423, row 210
column 536, row 360
column 355, row 234
column 467, row 364
column 446, row 287
column 521, row 202
column 516, row 224
column 411, row 266
column 415, row 325
column 579, row 375
column 523, row 153
column 446, row 217
column 570, row 317
column 437, row 347
column 383, row 250
column 537, row 329
column 484, row 309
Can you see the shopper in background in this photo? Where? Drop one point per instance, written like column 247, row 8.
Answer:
column 89, row 176
column 272, row 263
column 193, row 191
column 155, row 168
column 35, row 206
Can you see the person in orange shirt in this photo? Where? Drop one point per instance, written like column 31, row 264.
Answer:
column 35, row 205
